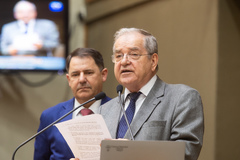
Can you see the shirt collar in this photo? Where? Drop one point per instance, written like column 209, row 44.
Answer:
column 23, row 26
column 94, row 107
column 145, row 89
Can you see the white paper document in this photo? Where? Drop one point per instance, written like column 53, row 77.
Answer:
column 84, row 135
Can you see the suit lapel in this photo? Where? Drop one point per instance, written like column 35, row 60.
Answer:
column 116, row 118
column 150, row 103
column 111, row 115
column 65, row 109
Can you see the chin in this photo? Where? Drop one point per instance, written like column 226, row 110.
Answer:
column 128, row 79
column 127, row 83
column 84, row 93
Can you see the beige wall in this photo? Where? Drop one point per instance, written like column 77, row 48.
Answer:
column 198, row 46
column 228, row 87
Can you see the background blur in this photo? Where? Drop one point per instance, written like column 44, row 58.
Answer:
column 199, row 45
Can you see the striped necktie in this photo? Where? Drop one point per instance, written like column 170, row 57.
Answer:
column 122, row 126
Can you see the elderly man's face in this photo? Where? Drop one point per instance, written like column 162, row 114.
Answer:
column 133, row 74
column 25, row 13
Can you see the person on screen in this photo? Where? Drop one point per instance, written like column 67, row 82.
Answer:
column 28, row 35
column 86, row 75
column 160, row 111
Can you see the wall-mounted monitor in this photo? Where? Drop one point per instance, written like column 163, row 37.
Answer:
column 33, row 35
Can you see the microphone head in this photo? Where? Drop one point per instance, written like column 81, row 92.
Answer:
column 100, row 95
column 119, row 88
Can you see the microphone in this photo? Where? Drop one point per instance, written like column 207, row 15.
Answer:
column 119, row 91
column 100, row 95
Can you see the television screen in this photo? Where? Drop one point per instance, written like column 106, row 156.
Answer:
column 34, row 35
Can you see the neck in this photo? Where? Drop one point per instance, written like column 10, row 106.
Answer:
column 88, row 104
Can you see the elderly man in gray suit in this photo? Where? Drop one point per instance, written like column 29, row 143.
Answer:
column 162, row 111
column 157, row 111
column 28, row 35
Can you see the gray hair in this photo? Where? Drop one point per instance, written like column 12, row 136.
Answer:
column 150, row 42
column 23, row 2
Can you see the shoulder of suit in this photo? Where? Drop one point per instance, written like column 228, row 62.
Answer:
column 10, row 24
column 44, row 21
column 110, row 101
column 60, row 105
column 179, row 88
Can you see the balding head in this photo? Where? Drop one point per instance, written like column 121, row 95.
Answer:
column 25, row 11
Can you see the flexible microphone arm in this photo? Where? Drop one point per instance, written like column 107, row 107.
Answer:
column 100, row 95
column 119, row 91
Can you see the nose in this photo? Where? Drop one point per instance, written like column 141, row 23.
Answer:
column 82, row 78
column 125, row 56
column 125, row 59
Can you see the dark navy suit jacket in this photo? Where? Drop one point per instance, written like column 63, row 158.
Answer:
column 50, row 145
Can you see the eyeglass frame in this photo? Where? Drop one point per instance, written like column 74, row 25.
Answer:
column 127, row 55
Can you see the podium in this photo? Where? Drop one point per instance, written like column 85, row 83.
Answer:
column 142, row 150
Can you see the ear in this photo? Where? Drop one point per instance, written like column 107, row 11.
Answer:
column 104, row 74
column 154, row 61
column 35, row 14
column 15, row 15
column 68, row 78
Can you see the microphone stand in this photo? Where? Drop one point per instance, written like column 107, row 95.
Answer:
column 119, row 90
column 97, row 97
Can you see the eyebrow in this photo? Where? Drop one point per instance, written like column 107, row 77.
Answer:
column 86, row 70
column 131, row 49
column 74, row 72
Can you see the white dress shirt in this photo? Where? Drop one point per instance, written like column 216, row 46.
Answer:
column 144, row 90
column 94, row 107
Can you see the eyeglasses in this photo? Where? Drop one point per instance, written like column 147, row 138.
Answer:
column 131, row 56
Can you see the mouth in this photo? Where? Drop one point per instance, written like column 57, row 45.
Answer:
column 125, row 71
column 83, row 88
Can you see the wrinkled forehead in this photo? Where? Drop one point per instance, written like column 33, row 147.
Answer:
column 131, row 42
column 129, row 49
column 24, row 7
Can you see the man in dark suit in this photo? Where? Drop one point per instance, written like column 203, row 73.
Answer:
column 86, row 74
column 162, row 111
column 28, row 35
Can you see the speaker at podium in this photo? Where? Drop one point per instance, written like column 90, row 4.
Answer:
column 142, row 150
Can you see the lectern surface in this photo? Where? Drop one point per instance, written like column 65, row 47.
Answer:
column 142, row 150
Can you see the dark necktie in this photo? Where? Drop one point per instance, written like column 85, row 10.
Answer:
column 26, row 28
column 122, row 126
column 86, row 111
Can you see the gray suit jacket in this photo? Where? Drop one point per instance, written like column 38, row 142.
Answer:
column 171, row 112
